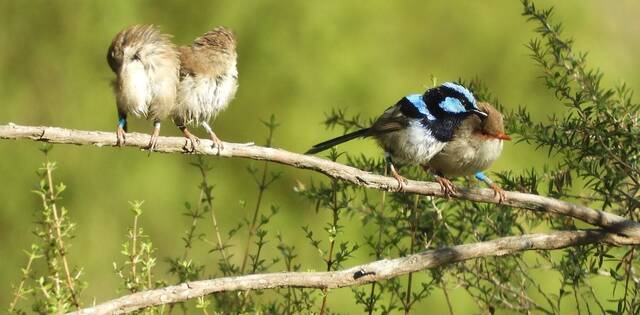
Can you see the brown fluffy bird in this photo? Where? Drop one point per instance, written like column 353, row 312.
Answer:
column 476, row 145
column 208, row 81
column 146, row 65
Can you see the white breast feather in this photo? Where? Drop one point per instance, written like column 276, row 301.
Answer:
column 201, row 98
column 136, row 90
column 465, row 157
column 413, row 145
column 489, row 152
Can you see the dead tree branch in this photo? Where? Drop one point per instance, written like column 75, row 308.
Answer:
column 604, row 220
column 357, row 275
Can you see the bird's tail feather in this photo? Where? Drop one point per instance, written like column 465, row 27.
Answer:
column 335, row 141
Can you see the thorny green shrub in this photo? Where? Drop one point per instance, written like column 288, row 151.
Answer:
column 595, row 162
column 55, row 287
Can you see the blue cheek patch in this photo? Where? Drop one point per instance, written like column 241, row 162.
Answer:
column 452, row 105
column 463, row 90
column 418, row 102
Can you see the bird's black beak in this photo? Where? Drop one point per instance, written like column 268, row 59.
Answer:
column 482, row 115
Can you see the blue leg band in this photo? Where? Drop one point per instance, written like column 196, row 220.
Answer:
column 484, row 178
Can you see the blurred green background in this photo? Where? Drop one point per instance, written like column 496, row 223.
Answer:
column 297, row 60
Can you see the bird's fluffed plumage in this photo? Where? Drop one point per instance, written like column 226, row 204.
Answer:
column 146, row 65
column 475, row 146
column 418, row 126
column 208, row 77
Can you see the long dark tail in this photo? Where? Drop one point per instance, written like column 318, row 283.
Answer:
column 335, row 141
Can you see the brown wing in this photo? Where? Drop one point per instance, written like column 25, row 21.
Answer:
column 212, row 53
column 188, row 62
column 391, row 120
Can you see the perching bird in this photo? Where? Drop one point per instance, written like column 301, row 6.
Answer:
column 146, row 65
column 475, row 146
column 208, row 81
column 417, row 127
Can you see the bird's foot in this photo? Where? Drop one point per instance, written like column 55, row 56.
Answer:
column 217, row 143
column 121, row 136
column 498, row 192
column 192, row 141
column 447, row 186
column 153, row 141
column 402, row 181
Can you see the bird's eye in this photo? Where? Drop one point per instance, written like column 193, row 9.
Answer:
column 136, row 56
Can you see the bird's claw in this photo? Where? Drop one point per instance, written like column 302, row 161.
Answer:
column 193, row 141
column 153, row 141
column 447, row 186
column 121, row 136
column 498, row 192
column 402, row 182
column 217, row 143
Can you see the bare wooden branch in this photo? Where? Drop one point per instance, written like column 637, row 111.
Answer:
column 616, row 229
column 371, row 272
column 605, row 220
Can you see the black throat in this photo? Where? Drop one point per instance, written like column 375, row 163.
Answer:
column 443, row 129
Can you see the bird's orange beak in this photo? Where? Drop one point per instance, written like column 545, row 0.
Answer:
column 502, row 136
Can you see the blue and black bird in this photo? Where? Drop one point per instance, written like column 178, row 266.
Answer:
column 417, row 127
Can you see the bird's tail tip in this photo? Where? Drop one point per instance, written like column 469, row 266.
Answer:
column 313, row 150
column 335, row 141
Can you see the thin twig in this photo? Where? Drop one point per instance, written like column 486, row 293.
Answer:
column 332, row 241
column 446, row 296
column 414, row 226
column 204, row 189
column 57, row 226
column 256, row 210
column 133, row 255
column 378, row 249
column 19, row 294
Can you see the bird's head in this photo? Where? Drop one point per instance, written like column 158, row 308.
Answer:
column 452, row 100
column 133, row 43
column 220, row 38
column 492, row 126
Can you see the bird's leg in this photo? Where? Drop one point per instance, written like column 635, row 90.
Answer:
column 122, row 129
column 153, row 141
column 191, row 139
column 446, row 185
column 497, row 191
column 402, row 181
column 216, row 141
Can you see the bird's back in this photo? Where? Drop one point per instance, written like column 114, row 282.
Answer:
column 208, row 75
column 212, row 54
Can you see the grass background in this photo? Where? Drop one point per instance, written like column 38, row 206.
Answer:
column 297, row 60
